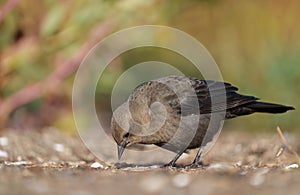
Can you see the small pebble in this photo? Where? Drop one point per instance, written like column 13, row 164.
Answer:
column 16, row 163
column 291, row 166
column 3, row 154
column 181, row 180
column 3, row 141
column 220, row 167
column 239, row 163
column 59, row 147
column 97, row 165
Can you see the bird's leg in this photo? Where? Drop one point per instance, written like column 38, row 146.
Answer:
column 172, row 162
column 196, row 163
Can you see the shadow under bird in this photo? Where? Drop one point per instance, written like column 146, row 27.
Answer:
column 180, row 113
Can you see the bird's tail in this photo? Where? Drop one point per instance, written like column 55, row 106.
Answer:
column 268, row 107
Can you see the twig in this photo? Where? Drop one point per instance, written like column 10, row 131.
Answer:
column 286, row 143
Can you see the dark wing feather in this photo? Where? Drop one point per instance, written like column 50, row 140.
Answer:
column 223, row 95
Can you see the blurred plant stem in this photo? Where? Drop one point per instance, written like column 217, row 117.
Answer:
column 10, row 4
column 51, row 84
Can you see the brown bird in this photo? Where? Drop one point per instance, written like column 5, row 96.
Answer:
column 180, row 113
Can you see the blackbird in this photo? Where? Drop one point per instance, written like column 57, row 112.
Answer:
column 181, row 113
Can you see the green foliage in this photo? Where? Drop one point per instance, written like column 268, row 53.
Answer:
column 255, row 43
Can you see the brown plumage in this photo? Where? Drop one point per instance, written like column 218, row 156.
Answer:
column 180, row 113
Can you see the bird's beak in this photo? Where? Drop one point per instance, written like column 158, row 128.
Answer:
column 121, row 148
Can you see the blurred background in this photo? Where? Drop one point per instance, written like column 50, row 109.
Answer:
column 255, row 43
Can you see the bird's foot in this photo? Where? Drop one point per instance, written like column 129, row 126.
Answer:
column 171, row 165
column 195, row 165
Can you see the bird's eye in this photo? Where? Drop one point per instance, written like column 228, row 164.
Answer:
column 126, row 135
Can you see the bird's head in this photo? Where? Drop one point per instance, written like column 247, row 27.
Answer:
column 123, row 138
column 131, row 122
column 122, row 132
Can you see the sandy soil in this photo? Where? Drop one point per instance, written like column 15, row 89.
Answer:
column 49, row 162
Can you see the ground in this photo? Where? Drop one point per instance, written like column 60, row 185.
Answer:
column 50, row 162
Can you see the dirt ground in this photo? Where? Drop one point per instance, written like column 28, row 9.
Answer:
column 50, row 162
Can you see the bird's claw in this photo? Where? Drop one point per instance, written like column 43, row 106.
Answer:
column 169, row 165
column 191, row 166
column 195, row 165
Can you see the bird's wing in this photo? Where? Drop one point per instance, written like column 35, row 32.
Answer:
column 223, row 95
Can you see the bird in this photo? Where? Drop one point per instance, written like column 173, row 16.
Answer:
column 180, row 113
